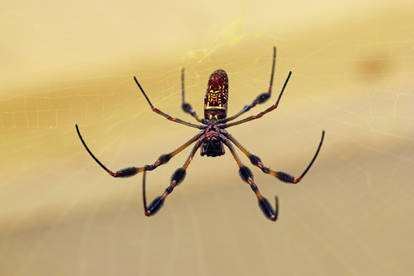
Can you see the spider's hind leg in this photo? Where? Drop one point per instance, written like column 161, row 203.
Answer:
column 264, row 204
column 176, row 179
column 157, row 203
column 163, row 159
column 247, row 176
column 282, row 176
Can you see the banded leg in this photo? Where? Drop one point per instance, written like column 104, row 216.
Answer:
column 176, row 179
column 134, row 170
column 257, row 116
column 261, row 98
column 187, row 108
column 280, row 175
column 247, row 176
column 156, row 110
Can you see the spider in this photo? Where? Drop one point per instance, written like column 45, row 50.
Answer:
column 212, row 138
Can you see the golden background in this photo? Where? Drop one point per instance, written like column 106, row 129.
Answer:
column 73, row 62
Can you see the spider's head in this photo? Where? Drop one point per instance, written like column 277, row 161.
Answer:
column 215, row 102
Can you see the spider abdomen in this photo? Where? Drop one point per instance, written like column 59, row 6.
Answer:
column 215, row 102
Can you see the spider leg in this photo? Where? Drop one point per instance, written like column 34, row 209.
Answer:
column 176, row 179
column 247, row 176
column 261, row 98
column 280, row 175
column 156, row 110
column 257, row 116
column 187, row 108
column 134, row 170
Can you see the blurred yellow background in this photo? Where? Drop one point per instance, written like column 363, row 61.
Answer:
column 73, row 62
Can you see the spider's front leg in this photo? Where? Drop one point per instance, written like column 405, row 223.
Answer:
column 247, row 176
column 187, row 108
column 165, row 115
column 280, row 175
column 134, row 170
column 259, row 115
column 262, row 98
column 176, row 179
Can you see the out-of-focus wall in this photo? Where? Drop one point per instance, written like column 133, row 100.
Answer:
column 67, row 63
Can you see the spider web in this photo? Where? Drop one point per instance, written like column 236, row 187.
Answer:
column 351, row 213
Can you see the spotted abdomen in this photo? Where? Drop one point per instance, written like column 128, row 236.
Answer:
column 215, row 102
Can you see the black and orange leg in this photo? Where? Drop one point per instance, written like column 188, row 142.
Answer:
column 247, row 176
column 280, row 175
column 134, row 170
column 176, row 179
column 156, row 110
column 261, row 98
column 187, row 108
column 257, row 116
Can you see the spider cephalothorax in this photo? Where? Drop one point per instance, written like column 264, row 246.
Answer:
column 211, row 138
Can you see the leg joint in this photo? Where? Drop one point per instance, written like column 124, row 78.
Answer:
column 255, row 160
column 178, row 176
column 187, row 108
column 254, row 187
column 285, row 177
column 164, row 158
column 169, row 189
column 149, row 167
column 245, row 173
column 126, row 172
column 266, row 170
column 262, row 98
